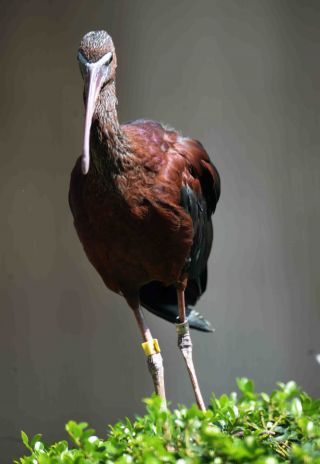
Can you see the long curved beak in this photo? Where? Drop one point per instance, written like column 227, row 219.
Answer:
column 94, row 78
column 93, row 83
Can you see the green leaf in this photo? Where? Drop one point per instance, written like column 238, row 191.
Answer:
column 296, row 407
column 254, row 428
column 25, row 440
column 35, row 439
column 246, row 387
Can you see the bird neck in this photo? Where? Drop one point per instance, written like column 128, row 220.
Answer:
column 106, row 107
column 108, row 142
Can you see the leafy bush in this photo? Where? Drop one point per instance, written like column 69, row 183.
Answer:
column 254, row 428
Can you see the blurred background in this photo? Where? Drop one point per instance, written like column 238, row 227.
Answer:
column 241, row 76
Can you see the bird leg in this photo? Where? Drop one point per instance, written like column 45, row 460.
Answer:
column 154, row 358
column 185, row 343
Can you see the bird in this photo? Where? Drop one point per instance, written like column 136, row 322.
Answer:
column 142, row 198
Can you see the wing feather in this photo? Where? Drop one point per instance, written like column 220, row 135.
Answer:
column 199, row 194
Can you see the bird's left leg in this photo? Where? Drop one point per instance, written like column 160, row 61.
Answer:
column 154, row 359
column 185, row 343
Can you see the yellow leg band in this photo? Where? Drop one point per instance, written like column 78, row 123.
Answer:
column 151, row 347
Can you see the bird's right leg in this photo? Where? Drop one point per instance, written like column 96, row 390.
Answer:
column 185, row 343
column 154, row 359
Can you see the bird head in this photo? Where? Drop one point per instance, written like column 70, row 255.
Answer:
column 98, row 62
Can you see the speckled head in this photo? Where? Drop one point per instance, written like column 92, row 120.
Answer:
column 98, row 62
column 95, row 44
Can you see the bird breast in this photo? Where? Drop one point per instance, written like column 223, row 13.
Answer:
column 133, row 233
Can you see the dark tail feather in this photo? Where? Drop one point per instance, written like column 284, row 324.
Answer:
column 196, row 321
column 162, row 301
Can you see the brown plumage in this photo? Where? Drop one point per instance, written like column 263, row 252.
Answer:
column 142, row 208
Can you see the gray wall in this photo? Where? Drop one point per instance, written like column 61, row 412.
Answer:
column 241, row 76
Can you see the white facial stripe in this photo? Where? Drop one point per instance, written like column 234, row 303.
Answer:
column 107, row 57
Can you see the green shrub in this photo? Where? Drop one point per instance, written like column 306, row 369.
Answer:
column 251, row 428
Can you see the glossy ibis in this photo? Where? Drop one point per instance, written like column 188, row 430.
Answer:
column 142, row 196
